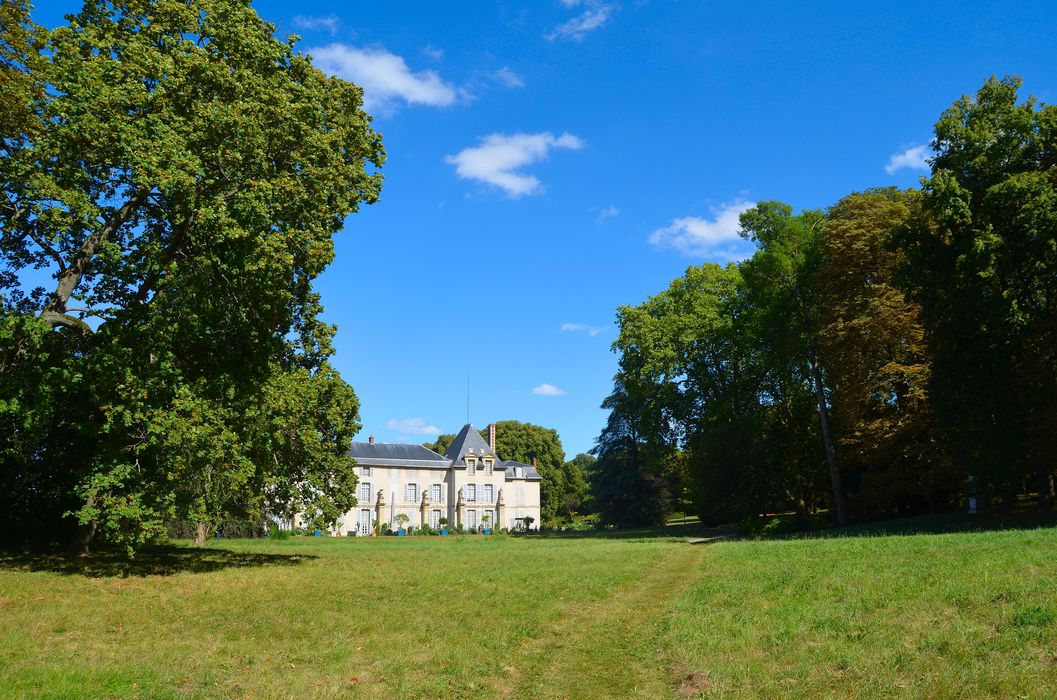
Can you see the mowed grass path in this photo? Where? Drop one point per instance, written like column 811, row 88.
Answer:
column 959, row 615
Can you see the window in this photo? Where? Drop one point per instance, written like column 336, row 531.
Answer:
column 471, row 465
column 488, row 493
column 519, row 494
column 471, row 493
column 363, row 527
column 471, row 519
column 365, row 471
column 434, row 519
column 435, row 493
column 488, row 467
column 411, row 492
column 365, row 493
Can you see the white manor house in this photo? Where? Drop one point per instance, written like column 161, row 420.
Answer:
column 468, row 485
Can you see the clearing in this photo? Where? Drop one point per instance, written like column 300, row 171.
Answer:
column 970, row 614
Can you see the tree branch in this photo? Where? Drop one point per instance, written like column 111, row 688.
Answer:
column 56, row 319
column 70, row 277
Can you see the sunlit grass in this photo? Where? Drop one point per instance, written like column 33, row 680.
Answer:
column 952, row 615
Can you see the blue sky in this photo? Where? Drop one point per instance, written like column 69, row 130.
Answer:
column 550, row 161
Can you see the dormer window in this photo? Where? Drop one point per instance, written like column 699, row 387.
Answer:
column 471, row 464
column 488, row 466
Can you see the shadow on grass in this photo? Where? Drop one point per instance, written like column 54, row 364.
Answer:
column 672, row 532
column 944, row 523
column 156, row 560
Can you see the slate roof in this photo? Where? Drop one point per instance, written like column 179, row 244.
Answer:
column 529, row 471
column 467, row 439
column 384, row 454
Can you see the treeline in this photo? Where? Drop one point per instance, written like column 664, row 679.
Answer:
column 895, row 353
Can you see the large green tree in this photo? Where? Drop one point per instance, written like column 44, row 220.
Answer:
column 982, row 262
column 523, row 442
column 179, row 184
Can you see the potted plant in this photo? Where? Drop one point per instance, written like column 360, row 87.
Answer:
column 443, row 522
column 485, row 527
column 401, row 523
column 528, row 523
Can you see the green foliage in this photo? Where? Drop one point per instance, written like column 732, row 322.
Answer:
column 521, row 442
column 982, row 262
column 441, row 444
column 182, row 180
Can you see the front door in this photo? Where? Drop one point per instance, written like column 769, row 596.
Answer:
column 365, row 522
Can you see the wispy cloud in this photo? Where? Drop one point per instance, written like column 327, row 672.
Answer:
column 548, row 390
column 595, row 14
column 715, row 238
column 384, row 77
column 914, row 158
column 433, row 52
column 309, row 23
column 607, row 213
column 584, row 328
column 499, row 158
column 413, row 426
column 509, row 78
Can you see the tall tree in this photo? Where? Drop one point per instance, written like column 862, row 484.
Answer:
column 523, row 442
column 780, row 276
column 878, row 363
column 181, row 186
column 982, row 261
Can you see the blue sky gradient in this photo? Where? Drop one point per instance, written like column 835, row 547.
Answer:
column 625, row 137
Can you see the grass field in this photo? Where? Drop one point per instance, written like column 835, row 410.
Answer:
column 646, row 615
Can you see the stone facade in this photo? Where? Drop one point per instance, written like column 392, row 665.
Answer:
column 465, row 485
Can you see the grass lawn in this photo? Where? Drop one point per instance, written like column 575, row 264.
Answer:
column 970, row 614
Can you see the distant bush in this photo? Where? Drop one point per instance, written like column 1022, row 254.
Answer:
column 277, row 533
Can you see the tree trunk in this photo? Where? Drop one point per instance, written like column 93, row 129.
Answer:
column 83, row 535
column 201, row 533
column 827, row 438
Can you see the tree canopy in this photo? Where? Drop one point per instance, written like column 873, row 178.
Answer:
column 167, row 204
column 892, row 353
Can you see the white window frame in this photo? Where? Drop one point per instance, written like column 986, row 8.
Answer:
column 471, row 493
column 434, row 518
column 365, row 485
column 411, row 493
column 489, row 494
column 365, row 471
column 436, row 493
column 471, row 465
column 488, row 467
column 471, row 519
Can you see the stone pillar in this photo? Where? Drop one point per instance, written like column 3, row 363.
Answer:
column 500, row 511
column 379, row 510
column 460, row 510
column 424, row 508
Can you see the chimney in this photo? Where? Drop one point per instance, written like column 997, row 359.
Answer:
column 491, row 437
column 371, row 440
column 533, row 461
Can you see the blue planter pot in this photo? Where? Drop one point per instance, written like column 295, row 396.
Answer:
column 443, row 532
column 488, row 532
column 400, row 533
column 318, row 533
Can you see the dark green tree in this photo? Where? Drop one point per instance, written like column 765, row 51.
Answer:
column 982, row 262
column 522, row 442
column 180, row 182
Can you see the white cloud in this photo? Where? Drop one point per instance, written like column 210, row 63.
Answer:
column 384, row 77
column 584, row 328
column 499, row 157
column 413, row 426
column 548, row 390
column 595, row 15
column 707, row 238
column 433, row 52
column 309, row 23
column 607, row 213
column 914, row 158
column 509, row 78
